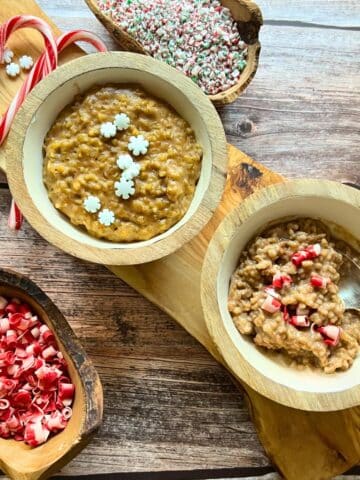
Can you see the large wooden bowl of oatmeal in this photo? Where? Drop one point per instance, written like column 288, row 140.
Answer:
column 270, row 293
column 116, row 158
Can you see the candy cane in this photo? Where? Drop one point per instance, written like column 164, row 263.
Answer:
column 29, row 21
column 39, row 71
column 49, row 61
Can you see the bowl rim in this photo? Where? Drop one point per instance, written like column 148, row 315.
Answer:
column 238, row 364
column 13, row 152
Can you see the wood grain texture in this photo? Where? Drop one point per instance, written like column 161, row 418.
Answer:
column 17, row 459
column 300, row 115
column 277, row 120
column 249, row 20
column 168, row 406
column 332, row 439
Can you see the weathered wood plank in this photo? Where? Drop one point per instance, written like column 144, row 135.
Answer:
column 326, row 12
column 168, row 405
column 300, row 116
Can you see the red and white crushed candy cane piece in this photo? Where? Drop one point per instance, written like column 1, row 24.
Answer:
column 46, row 63
column 271, row 291
column 331, row 334
column 310, row 252
column 36, row 392
column 313, row 251
column 281, row 280
column 299, row 321
column 271, row 304
column 36, row 433
column 298, row 257
column 318, row 281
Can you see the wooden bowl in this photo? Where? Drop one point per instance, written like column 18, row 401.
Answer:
column 19, row 461
column 267, row 373
column 249, row 20
column 24, row 156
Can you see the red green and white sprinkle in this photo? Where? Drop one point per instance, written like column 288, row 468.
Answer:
column 198, row 37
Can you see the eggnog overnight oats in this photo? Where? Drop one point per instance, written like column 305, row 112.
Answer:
column 121, row 163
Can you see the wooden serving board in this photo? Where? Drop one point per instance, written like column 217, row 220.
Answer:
column 302, row 445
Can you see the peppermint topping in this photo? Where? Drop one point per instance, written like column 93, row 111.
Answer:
column 124, row 189
column 108, row 130
column 92, row 204
column 7, row 56
column 13, row 69
column 26, row 62
column 198, row 37
column 138, row 145
column 124, row 161
column 122, row 121
column 106, row 217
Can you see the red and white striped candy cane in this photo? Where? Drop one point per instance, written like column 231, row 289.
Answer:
column 29, row 21
column 38, row 72
column 49, row 61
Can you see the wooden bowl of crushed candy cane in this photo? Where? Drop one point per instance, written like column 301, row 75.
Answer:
column 215, row 43
column 116, row 158
column 51, row 397
column 270, row 294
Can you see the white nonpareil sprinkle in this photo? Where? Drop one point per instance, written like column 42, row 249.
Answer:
column 92, row 204
column 13, row 69
column 8, row 55
column 124, row 189
column 106, row 217
column 138, row 145
column 26, row 62
column 124, row 161
column 108, row 130
column 131, row 172
column 122, row 121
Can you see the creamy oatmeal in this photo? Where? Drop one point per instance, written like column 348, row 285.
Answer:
column 86, row 171
column 284, row 295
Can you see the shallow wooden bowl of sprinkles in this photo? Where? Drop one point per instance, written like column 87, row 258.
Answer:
column 310, row 389
column 249, row 21
column 18, row 460
column 22, row 153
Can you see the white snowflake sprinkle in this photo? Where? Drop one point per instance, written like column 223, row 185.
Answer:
column 138, row 145
column 106, row 217
column 124, row 161
column 92, row 204
column 26, row 62
column 122, row 121
column 131, row 172
column 8, row 55
column 124, row 189
column 108, row 130
column 13, row 69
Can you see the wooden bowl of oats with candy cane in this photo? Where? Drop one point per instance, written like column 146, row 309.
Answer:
column 116, row 158
column 213, row 42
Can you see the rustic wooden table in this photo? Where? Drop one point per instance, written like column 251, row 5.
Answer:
column 170, row 410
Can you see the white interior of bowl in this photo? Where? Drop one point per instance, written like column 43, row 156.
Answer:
column 64, row 95
column 270, row 365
